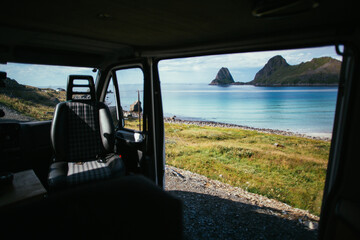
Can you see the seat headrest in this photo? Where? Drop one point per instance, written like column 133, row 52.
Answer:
column 86, row 85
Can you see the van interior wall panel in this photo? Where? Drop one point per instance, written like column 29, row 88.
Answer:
column 106, row 31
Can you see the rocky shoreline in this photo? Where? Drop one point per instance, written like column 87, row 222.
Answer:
column 230, row 125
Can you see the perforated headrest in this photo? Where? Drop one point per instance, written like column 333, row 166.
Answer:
column 85, row 85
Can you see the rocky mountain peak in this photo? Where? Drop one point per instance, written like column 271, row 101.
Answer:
column 274, row 64
column 223, row 77
column 277, row 61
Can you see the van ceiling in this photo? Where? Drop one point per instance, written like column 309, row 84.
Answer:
column 96, row 33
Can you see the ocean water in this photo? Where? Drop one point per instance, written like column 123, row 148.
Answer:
column 305, row 110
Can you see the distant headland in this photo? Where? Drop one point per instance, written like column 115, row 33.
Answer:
column 323, row 71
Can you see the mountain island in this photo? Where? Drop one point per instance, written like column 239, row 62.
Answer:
column 323, row 71
column 223, row 77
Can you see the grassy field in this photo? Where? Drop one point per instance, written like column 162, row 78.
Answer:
column 287, row 168
column 31, row 101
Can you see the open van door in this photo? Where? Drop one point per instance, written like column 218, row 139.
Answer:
column 132, row 92
column 340, row 215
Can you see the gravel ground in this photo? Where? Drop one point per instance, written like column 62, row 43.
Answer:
column 11, row 114
column 214, row 210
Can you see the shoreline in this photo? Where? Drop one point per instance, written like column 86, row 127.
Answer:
column 231, row 125
column 276, row 85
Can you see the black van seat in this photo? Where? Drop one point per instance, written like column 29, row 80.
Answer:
column 82, row 135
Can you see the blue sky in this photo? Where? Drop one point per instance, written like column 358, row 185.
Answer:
column 42, row 75
column 243, row 67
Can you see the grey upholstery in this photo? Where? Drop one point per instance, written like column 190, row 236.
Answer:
column 75, row 132
column 82, row 135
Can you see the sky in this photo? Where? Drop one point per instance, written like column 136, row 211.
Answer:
column 242, row 66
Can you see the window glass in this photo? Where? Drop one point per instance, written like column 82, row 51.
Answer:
column 110, row 101
column 131, row 88
column 32, row 91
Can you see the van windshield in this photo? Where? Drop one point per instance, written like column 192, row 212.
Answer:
column 32, row 91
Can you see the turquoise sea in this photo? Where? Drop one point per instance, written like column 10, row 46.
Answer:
column 306, row 110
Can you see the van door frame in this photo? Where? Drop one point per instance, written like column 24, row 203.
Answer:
column 340, row 201
column 153, row 124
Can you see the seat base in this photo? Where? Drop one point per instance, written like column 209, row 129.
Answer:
column 64, row 174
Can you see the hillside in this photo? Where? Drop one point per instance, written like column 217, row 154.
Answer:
column 318, row 71
column 38, row 103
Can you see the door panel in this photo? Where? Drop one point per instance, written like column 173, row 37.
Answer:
column 130, row 145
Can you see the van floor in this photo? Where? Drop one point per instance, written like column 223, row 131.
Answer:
column 215, row 210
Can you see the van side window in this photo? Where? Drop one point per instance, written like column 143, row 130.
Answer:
column 130, row 83
column 110, row 101
column 30, row 92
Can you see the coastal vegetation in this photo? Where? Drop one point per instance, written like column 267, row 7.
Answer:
column 287, row 168
column 290, row 169
column 38, row 103
column 318, row 71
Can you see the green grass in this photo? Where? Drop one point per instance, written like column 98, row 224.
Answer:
column 31, row 101
column 133, row 123
column 293, row 174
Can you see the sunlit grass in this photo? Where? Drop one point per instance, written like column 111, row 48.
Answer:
column 133, row 123
column 31, row 101
column 292, row 172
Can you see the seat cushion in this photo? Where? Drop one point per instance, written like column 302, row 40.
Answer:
column 86, row 172
column 73, row 173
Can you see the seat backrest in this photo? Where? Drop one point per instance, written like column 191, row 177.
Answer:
column 86, row 85
column 82, row 128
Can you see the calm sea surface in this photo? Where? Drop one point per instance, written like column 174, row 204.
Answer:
column 307, row 110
